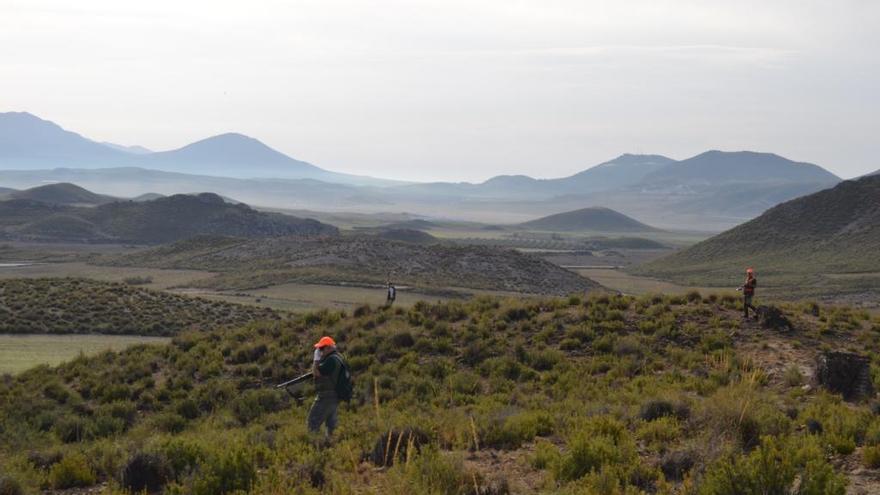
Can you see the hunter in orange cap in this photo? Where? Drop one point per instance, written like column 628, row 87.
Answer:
column 332, row 382
column 324, row 342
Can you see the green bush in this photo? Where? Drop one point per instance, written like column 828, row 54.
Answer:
column 9, row 486
column 772, row 468
column 601, row 441
column 72, row 471
column 254, row 403
column 228, row 472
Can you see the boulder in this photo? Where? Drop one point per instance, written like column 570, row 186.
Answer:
column 846, row 374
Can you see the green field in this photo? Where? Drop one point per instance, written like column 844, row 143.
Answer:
column 21, row 352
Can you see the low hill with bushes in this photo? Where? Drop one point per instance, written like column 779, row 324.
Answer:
column 156, row 221
column 358, row 260
column 594, row 219
column 609, row 394
column 79, row 306
column 62, row 193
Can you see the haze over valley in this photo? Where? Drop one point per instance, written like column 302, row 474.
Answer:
column 442, row 248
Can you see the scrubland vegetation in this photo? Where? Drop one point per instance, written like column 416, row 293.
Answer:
column 69, row 305
column 603, row 395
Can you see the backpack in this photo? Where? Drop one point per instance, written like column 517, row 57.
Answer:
column 344, row 383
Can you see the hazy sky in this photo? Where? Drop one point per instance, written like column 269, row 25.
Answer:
column 457, row 90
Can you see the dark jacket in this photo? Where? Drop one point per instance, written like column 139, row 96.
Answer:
column 329, row 366
column 749, row 286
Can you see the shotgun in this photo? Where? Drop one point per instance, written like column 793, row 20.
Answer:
column 293, row 384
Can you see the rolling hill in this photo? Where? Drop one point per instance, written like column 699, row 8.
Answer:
column 830, row 238
column 358, row 260
column 62, row 194
column 148, row 222
column 594, row 219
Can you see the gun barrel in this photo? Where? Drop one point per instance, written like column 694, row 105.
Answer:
column 296, row 380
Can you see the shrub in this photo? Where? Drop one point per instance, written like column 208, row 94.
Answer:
column 169, row 422
column 512, row 431
column 656, row 409
column 871, row 456
column 660, row 432
column 72, row 472
column 793, row 376
column 231, row 471
column 145, row 472
column 254, row 403
column 9, row 486
column 71, row 429
column 602, row 441
column 773, row 468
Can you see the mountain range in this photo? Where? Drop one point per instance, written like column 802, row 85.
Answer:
column 28, row 142
column 714, row 190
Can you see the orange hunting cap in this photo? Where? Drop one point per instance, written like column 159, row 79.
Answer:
column 750, row 270
column 324, row 342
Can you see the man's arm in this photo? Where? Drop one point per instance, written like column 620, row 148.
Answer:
column 316, row 358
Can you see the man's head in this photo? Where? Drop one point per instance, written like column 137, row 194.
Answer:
column 750, row 272
column 325, row 345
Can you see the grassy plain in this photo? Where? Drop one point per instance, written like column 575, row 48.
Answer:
column 21, row 352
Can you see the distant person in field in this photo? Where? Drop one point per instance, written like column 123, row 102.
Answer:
column 392, row 294
column 332, row 383
column 748, row 289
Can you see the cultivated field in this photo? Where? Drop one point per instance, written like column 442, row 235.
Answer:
column 21, row 352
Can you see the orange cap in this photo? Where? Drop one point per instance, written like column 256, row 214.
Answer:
column 324, row 342
column 750, row 270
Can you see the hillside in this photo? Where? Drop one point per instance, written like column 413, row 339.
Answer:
column 62, row 193
column 359, row 260
column 595, row 219
column 656, row 395
column 66, row 305
column 803, row 242
column 157, row 221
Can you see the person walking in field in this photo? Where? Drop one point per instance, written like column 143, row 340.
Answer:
column 392, row 294
column 748, row 289
column 332, row 384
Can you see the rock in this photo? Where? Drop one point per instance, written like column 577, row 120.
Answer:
column 846, row 374
column 394, row 444
column 772, row 318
